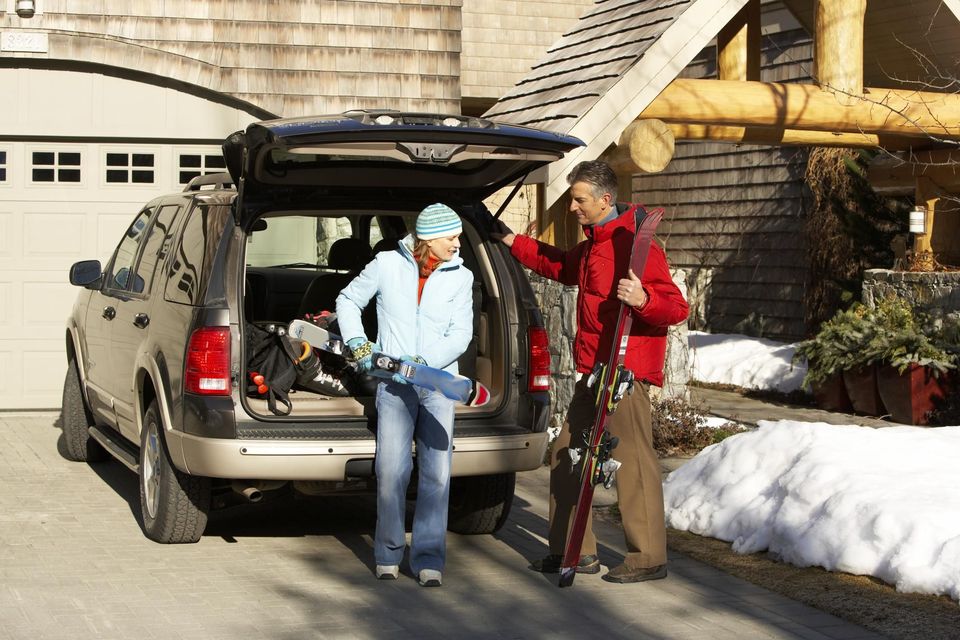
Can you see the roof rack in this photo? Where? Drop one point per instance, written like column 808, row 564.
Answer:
column 210, row 181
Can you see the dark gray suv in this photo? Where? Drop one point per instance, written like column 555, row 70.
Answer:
column 158, row 367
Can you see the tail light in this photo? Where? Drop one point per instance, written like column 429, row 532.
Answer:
column 208, row 362
column 539, row 359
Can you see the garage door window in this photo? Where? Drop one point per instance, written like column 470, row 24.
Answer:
column 200, row 164
column 56, row 166
column 130, row 168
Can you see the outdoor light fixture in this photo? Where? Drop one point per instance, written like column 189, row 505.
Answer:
column 918, row 219
column 26, row 8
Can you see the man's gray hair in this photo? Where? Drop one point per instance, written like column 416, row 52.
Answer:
column 598, row 175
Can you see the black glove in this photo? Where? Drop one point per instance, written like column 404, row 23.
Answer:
column 497, row 229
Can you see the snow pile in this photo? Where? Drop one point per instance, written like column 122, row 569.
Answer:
column 752, row 363
column 880, row 502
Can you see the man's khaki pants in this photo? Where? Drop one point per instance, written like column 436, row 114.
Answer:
column 639, row 480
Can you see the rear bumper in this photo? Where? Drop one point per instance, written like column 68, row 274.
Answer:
column 316, row 460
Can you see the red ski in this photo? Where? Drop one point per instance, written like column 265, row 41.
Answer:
column 611, row 381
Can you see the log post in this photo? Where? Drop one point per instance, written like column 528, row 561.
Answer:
column 927, row 195
column 838, row 46
column 738, row 45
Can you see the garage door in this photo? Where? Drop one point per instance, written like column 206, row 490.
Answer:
column 72, row 176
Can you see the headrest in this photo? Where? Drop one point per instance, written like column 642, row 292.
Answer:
column 348, row 254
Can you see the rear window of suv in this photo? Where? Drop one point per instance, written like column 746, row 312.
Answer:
column 306, row 241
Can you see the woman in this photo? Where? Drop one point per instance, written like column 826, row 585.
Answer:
column 424, row 313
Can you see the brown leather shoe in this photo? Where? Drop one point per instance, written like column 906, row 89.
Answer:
column 624, row 574
column 552, row 563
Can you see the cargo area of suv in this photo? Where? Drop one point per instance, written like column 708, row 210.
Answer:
column 296, row 264
column 307, row 203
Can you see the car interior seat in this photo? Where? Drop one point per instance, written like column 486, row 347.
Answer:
column 346, row 254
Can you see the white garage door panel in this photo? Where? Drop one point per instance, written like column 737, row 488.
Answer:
column 10, row 361
column 53, row 235
column 7, row 234
column 43, row 368
column 7, row 309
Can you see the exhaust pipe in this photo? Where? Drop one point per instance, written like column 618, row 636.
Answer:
column 252, row 490
column 252, row 494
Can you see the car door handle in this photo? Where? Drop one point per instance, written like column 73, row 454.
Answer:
column 141, row 320
column 109, row 313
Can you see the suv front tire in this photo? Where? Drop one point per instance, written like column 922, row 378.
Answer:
column 76, row 420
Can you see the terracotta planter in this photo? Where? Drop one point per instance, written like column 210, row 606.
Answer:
column 861, row 385
column 911, row 395
column 831, row 395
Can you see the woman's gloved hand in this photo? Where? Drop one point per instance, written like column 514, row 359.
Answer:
column 399, row 378
column 362, row 350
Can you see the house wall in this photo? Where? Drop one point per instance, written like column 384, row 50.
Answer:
column 503, row 39
column 735, row 215
column 85, row 80
column 282, row 58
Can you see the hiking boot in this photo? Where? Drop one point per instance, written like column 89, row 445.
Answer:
column 624, row 574
column 387, row 571
column 430, row 578
column 552, row 563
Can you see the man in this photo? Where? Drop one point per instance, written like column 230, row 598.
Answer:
column 599, row 266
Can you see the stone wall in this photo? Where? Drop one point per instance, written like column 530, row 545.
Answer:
column 935, row 293
column 558, row 303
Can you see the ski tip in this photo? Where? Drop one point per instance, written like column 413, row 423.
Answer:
column 479, row 395
column 567, row 574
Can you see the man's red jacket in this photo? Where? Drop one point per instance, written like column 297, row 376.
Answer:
column 596, row 265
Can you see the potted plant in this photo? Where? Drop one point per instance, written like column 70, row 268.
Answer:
column 916, row 361
column 836, row 348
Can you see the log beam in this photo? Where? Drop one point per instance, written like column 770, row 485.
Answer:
column 738, row 45
column 838, row 47
column 644, row 146
column 788, row 137
column 800, row 106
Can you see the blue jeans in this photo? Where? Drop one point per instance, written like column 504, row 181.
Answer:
column 407, row 413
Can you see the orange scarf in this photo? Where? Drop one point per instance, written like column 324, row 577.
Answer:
column 425, row 271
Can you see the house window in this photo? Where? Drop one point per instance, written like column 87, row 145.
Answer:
column 56, row 166
column 130, row 168
column 3, row 165
column 199, row 164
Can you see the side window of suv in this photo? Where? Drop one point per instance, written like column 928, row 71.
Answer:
column 183, row 284
column 193, row 257
column 156, row 248
column 121, row 268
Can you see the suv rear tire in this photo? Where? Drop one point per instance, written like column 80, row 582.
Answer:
column 76, row 420
column 480, row 504
column 174, row 504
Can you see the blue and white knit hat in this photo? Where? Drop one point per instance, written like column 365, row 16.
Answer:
column 438, row 221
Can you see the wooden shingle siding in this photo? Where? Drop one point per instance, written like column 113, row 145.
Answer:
column 735, row 216
column 503, row 39
column 280, row 58
column 586, row 62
